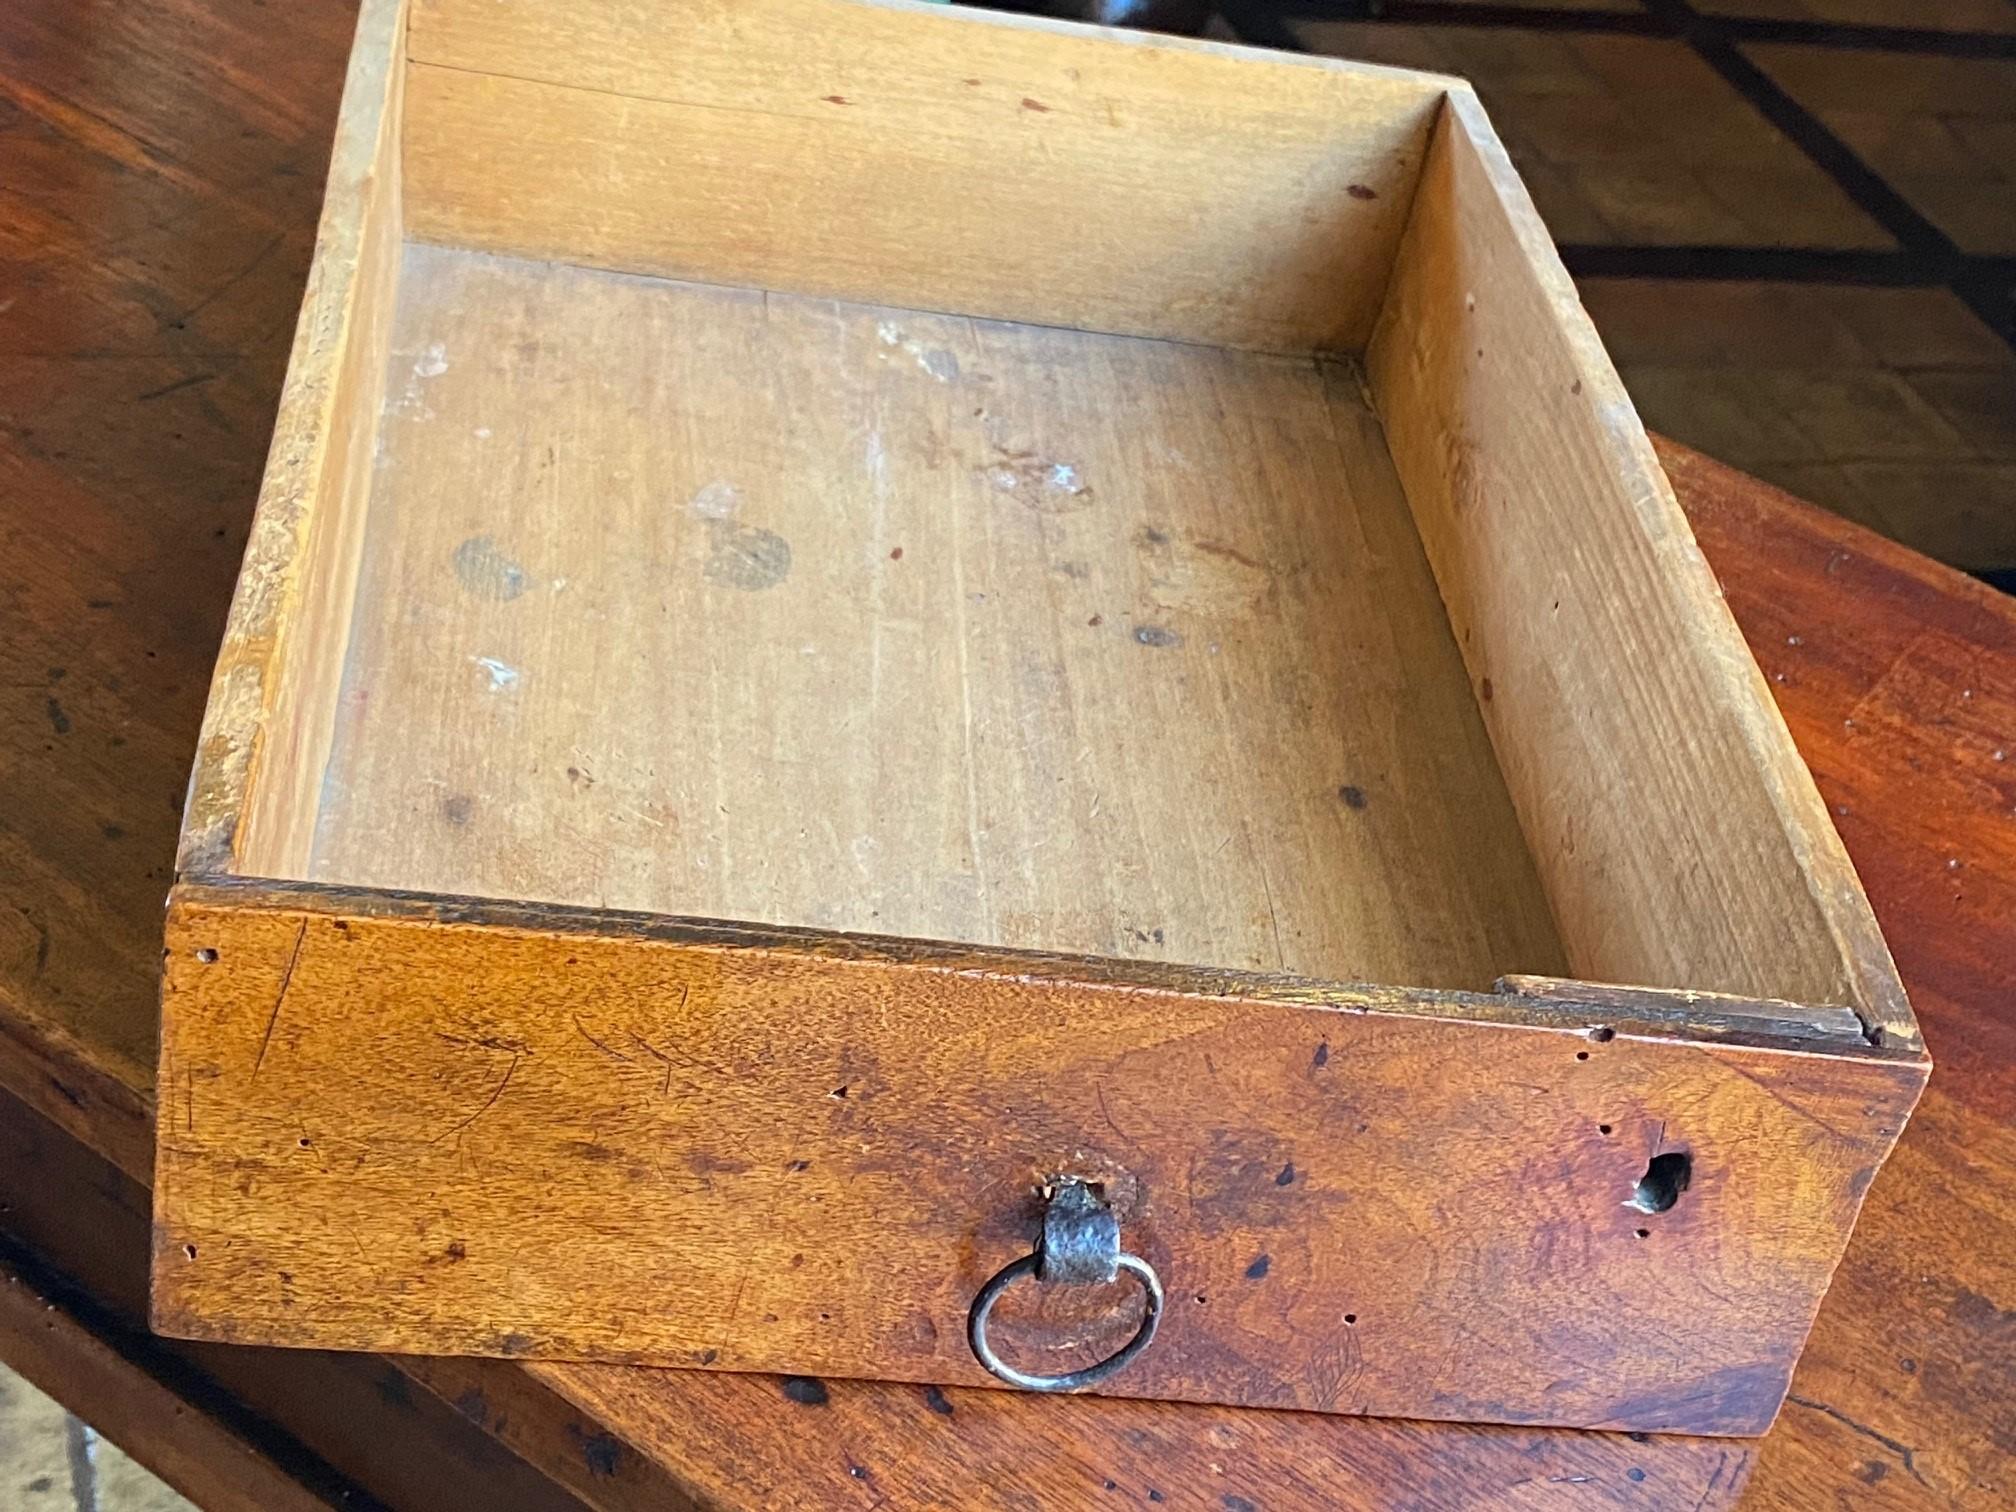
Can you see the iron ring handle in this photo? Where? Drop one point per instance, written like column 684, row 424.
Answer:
column 1077, row 1380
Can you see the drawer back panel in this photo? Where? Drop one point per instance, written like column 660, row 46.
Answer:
column 899, row 154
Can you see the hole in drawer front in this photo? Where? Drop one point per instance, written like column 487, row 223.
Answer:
column 1665, row 1178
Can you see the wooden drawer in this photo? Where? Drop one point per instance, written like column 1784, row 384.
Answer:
column 866, row 620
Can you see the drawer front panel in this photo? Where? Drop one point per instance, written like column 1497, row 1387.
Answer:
column 436, row 1127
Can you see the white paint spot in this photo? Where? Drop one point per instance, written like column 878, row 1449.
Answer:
column 717, row 501
column 1064, row 478
column 559, row 585
column 1004, row 479
column 482, row 433
column 432, row 364
column 936, row 361
column 503, row 676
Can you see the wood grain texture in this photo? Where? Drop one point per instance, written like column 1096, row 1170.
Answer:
column 1680, row 840
column 267, row 726
column 122, row 252
column 958, row 161
column 389, row 1127
column 1898, row 679
column 1012, row 636
column 197, row 1455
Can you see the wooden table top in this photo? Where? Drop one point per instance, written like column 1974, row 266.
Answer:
column 159, row 178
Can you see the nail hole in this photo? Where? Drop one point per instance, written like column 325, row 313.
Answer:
column 1644, row 1233
column 1665, row 1178
column 189, row 1252
column 1201, row 1297
column 304, row 1141
column 1351, row 1319
column 206, row 955
column 1603, row 1129
column 1581, row 1055
column 837, row 1092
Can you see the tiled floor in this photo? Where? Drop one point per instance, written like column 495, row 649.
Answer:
column 1941, row 131
column 52, row 1462
column 1895, row 405
column 1626, row 140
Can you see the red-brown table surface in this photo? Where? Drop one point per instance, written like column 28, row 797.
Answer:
column 160, row 170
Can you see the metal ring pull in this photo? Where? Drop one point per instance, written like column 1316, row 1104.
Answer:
column 1080, row 1246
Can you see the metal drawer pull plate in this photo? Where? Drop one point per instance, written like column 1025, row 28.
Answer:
column 1080, row 1246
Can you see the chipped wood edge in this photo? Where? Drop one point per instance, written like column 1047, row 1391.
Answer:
column 265, row 627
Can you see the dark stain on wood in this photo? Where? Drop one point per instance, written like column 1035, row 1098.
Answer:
column 1361, row 191
column 1259, row 1268
column 937, row 1401
column 806, row 1391
column 393, row 1387
column 486, row 572
column 1352, row 795
column 601, row 1452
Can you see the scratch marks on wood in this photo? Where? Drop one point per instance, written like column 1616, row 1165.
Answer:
column 280, row 998
column 230, row 283
column 41, row 941
column 665, row 1086
column 734, row 1311
column 582, row 1030
column 1906, row 1455
column 176, row 387
column 1777, row 1095
column 1715, row 1480
column 1105, row 1113
column 489, row 1102
column 1273, row 920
